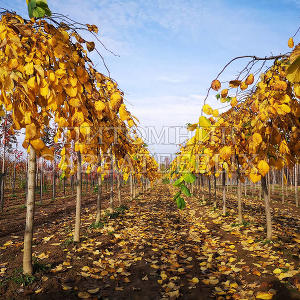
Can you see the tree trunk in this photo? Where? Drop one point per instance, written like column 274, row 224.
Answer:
column 119, row 188
column 131, row 186
column 269, row 186
column 72, row 184
column 2, row 176
column 41, row 181
column 14, row 176
column 224, row 191
column 98, row 216
column 111, row 198
column 240, row 213
column 267, row 207
column 209, row 190
column 296, row 186
column 27, row 255
column 78, row 199
column 227, row 183
column 53, row 180
column 282, row 186
column 86, row 183
column 134, row 190
column 215, row 190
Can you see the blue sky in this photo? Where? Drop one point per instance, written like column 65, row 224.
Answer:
column 170, row 50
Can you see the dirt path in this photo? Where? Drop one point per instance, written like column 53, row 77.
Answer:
column 151, row 251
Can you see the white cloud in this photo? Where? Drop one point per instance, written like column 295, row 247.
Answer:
column 170, row 79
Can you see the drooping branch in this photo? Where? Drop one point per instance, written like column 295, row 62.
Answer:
column 253, row 60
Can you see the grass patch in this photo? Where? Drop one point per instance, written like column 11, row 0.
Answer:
column 19, row 278
column 68, row 241
column 97, row 225
column 117, row 212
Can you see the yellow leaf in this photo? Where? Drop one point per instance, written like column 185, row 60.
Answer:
column 130, row 123
column 37, row 144
column 224, row 93
column 233, row 102
column 116, row 100
column 283, row 148
column 71, row 91
column 204, row 122
column 249, row 80
column 195, row 280
column 263, row 167
column 99, row 105
column 66, row 287
column 73, row 81
column 43, row 255
column 85, row 269
column 293, row 71
column 277, row 271
column 163, row 276
column 243, row 85
column 31, row 83
column 254, row 177
column 84, row 295
column 85, row 128
column 44, row 91
column 51, row 76
column 30, row 131
column 264, row 295
column 28, row 68
column 225, row 152
column 215, row 85
column 207, row 109
column 94, row 291
column 291, row 42
column 215, row 113
column 256, row 138
column 282, row 109
column 75, row 102
column 27, row 117
column 124, row 115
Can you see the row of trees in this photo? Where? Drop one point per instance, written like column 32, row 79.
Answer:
column 257, row 139
column 48, row 81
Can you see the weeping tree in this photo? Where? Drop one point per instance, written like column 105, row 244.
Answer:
column 47, row 79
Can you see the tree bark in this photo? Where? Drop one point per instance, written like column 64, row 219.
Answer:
column 134, row 189
column 282, row 186
column 209, row 190
column 78, row 199
column 41, row 181
column 2, row 176
column 296, row 186
column 224, row 191
column 111, row 198
column 131, row 186
column 119, row 188
column 30, row 203
column 240, row 213
column 215, row 190
column 14, row 176
column 98, row 215
column 53, row 180
column 267, row 207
